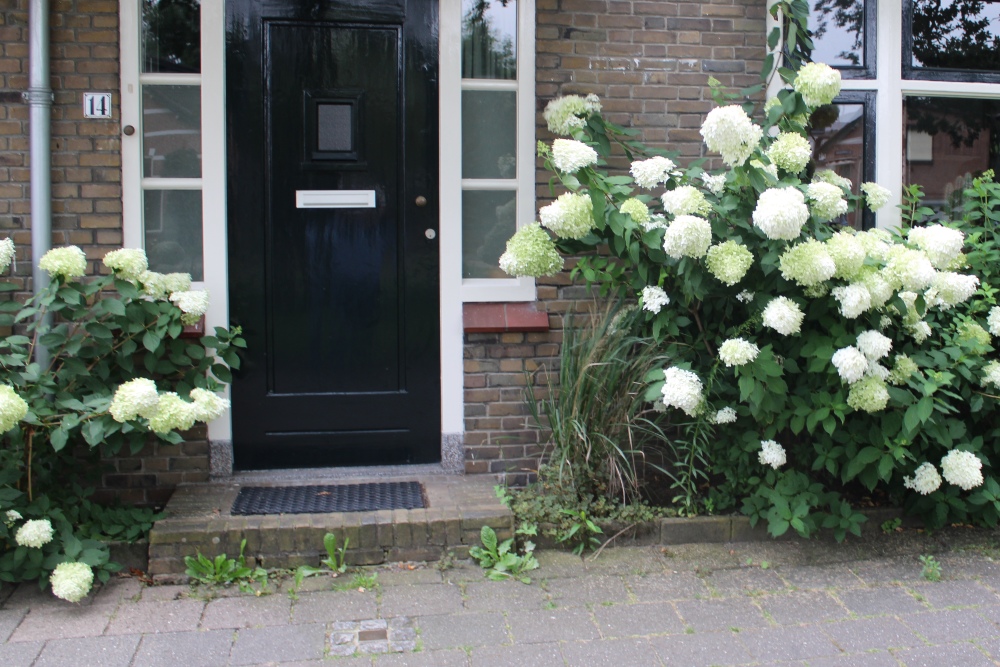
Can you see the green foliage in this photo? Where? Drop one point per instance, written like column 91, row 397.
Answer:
column 931, row 568
column 582, row 532
column 500, row 560
column 334, row 562
column 223, row 571
column 891, row 526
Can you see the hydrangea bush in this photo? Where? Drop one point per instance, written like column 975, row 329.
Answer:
column 117, row 373
column 811, row 365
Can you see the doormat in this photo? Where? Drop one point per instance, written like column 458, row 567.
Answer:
column 329, row 498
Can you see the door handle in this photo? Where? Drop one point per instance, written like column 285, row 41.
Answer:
column 420, row 201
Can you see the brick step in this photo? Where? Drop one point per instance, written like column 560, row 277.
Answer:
column 199, row 519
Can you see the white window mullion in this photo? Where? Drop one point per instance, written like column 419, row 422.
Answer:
column 131, row 117
column 889, row 109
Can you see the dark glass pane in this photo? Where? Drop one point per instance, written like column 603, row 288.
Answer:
column 489, row 134
column 489, row 39
column 171, row 131
column 837, row 132
column 947, row 142
column 171, row 36
column 335, row 129
column 838, row 30
column 488, row 220
column 172, row 230
column 956, row 34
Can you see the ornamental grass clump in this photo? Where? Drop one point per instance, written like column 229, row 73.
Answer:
column 806, row 363
column 119, row 375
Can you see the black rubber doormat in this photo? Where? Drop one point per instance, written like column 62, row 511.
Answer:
column 329, row 498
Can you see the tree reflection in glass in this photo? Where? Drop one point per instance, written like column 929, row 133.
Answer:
column 838, row 32
column 956, row 34
column 489, row 39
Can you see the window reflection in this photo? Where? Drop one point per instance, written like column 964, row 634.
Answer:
column 489, row 39
column 171, row 131
column 488, row 220
column 837, row 132
column 171, row 36
column 838, row 32
column 956, row 34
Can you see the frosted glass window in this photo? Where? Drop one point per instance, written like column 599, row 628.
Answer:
column 335, row 129
column 171, row 131
column 173, row 231
column 489, row 134
column 171, row 36
column 488, row 220
column 489, row 39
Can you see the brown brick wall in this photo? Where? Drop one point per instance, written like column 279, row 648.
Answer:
column 649, row 62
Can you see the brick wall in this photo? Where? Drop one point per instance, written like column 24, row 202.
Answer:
column 649, row 62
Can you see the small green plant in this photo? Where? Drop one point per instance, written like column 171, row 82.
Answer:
column 892, row 526
column 334, row 562
column 931, row 570
column 501, row 561
column 364, row 582
column 223, row 571
column 582, row 532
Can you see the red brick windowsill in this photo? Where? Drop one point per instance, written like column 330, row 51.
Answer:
column 503, row 317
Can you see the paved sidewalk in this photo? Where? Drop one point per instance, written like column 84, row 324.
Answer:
column 777, row 603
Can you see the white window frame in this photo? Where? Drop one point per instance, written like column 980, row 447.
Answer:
column 452, row 184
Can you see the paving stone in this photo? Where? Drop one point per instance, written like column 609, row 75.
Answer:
column 882, row 600
column 587, row 591
column 960, row 593
column 19, row 654
column 889, row 570
column 871, row 633
column 610, row 653
column 630, row 620
column 708, row 615
column 635, row 561
column 89, row 652
column 279, row 644
column 246, row 612
column 744, row 580
column 28, row 595
column 701, row 649
column 533, row 655
column 448, row 658
column 820, row 576
column 872, row 659
column 150, row 617
column 422, row 600
column 190, row 649
column 950, row 625
column 117, row 589
column 330, row 606
column 803, row 607
column 399, row 575
column 668, row 586
column 477, row 628
column 788, row 643
column 557, row 564
column 162, row 593
column 9, row 619
column 504, row 596
column 951, row 655
column 991, row 646
column 551, row 625
column 46, row 622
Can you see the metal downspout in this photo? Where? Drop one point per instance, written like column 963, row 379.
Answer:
column 39, row 99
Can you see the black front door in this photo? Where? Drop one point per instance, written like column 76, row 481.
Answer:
column 333, row 264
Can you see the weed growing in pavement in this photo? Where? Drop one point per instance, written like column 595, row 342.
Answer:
column 223, row 571
column 892, row 526
column 931, row 570
column 500, row 560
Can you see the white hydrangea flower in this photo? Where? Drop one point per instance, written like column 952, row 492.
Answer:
column 876, row 196
column 569, row 155
column 854, row 299
column 973, row 332
column 570, row 216
column 531, row 252
column 737, row 352
column 807, row 263
column 879, row 371
column 11, row 517
column 208, row 405
column 729, row 131
column 783, row 315
column 682, row 389
column 942, row 245
column 791, row 152
column 173, row 413
column 963, row 469
column 869, row 394
column 729, row 261
column 902, row 369
column 6, row 253
column 827, row 200
column 874, row 344
column 68, row 262
column 878, row 287
column 832, row 177
column 135, row 398
column 656, row 221
column 951, row 289
column 687, row 236
column 925, row 480
column 127, row 263
column 771, row 454
column 71, row 581
column 910, row 269
column 780, row 213
column 745, row 296
column 817, row 83
column 13, row 408
column 34, row 534
column 850, row 363
column 654, row 171
column 635, row 209
column 716, row 183
column 726, row 415
column 920, row 331
column 993, row 320
column 564, row 114
column 654, row 298
column 876, row 242
column 848, row 254
column 160, row 285
column 193, row 304
column 685, row 200
column 991, row 374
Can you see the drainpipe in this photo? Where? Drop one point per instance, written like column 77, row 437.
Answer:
column 39, row 99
